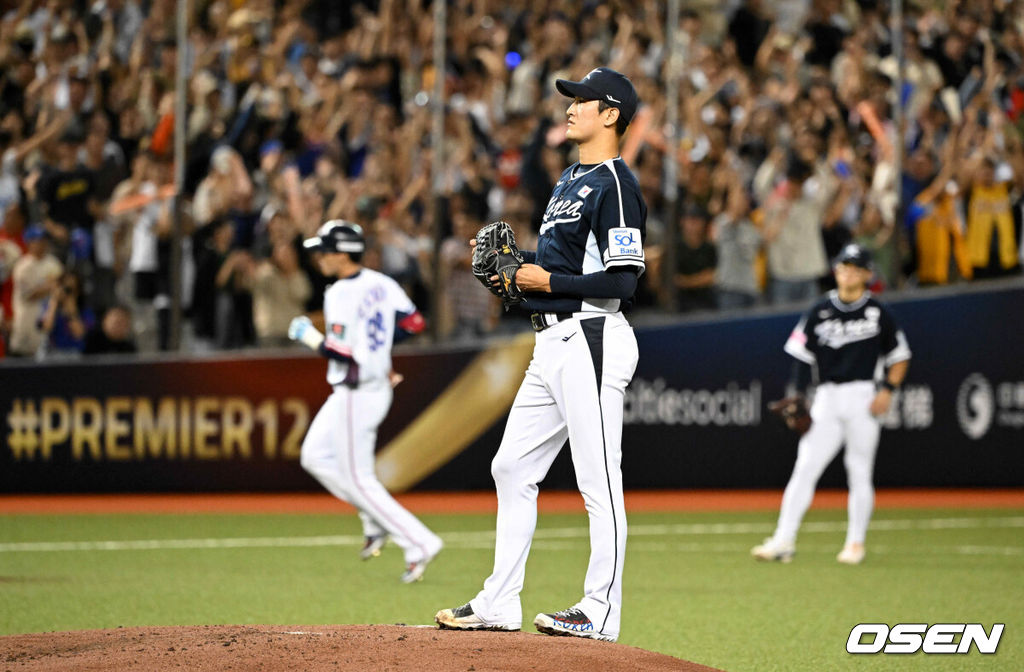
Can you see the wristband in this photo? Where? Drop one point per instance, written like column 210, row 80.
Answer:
column 302, row 329
column 889, row 386
column 312, row 338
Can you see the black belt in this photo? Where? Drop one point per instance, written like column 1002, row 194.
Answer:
column 542, row 321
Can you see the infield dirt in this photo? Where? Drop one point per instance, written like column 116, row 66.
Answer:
column 270, row 648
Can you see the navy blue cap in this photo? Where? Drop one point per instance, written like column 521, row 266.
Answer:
column 855, row 255
column 604, row 84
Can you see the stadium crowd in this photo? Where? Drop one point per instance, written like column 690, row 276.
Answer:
column 301, row 111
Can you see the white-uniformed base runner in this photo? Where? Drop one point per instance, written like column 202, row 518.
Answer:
column 847, row 337
column 588, row 259
column 364, row 312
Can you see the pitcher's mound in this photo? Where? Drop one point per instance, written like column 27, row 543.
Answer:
column 321, row 647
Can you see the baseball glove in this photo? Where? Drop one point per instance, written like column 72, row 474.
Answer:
column 793, row 411
column 496, row 254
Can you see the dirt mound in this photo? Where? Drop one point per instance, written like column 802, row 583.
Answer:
column 315, row 648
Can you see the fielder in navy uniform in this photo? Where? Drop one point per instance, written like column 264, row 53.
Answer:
column 847, row 338
column 588, row 260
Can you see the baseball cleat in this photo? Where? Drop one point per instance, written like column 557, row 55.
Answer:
column 571, row 623
column 463, row 618
column 852, row 554
column 774, row 551
column 415, row 570
column 371, row 548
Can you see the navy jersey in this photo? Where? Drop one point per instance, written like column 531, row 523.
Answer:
column 847, row 340
column 596, row 220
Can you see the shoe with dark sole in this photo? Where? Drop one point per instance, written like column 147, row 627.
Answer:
column 463, row 618
column 371, row 548
column 569, row 623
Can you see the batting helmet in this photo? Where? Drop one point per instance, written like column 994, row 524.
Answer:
column 855, row 255
column 338, row 235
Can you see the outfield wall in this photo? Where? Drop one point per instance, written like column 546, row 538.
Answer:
column 695, row 413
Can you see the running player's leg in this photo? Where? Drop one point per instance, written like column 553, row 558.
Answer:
column 862, row 433
column 593, row 382
column 817, row 448
column 362, row 411
column 321, row 448
column 371, row 528
column 534, row 434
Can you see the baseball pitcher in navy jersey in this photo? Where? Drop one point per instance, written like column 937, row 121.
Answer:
column 589, row 257
column 847, row 337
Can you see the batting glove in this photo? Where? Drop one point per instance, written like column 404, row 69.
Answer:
column 302, row 329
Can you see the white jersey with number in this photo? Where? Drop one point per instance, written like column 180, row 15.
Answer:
column 360, row 314
column 339, row 449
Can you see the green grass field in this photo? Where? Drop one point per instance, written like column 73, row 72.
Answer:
column 691, row 589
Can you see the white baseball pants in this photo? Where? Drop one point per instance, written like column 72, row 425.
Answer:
column 573, row 390
column 339, row 452
column 841, row 414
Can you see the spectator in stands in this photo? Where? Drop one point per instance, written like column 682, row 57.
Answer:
column 280, row 291
column 990, row 218
column 234, row 281
column 469, row 313
column 104, row 159
column 794, row 211
column 113, row 335
column 66, row 192
column 226, row 190
column 10, row 190
column 737, row 243
column 939, row 227
column 65, row 319
column 126, row 201
column 748, row 27
column 34, row 276
column 212, row 243
column 696, row 260
column 918, row 173
column 151, row 222
column 10, row 251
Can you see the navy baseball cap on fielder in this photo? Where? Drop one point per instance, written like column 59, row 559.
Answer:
column 855, row 255
column 604, row 84
column 337, row 235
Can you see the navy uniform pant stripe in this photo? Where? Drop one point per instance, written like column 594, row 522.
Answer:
column 593, row 331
